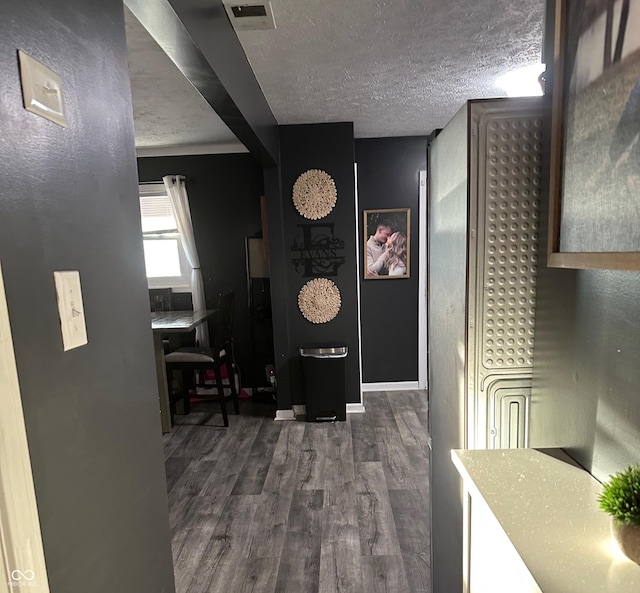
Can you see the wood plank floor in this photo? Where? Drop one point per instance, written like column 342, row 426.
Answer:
column 295, row 507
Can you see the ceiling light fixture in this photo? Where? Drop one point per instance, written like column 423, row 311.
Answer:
column 522, row 82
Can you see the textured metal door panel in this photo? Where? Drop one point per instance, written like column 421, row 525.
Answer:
column 508, row 401
column 505, row 180
column 513, row 421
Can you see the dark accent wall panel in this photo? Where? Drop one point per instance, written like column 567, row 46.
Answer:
column 69, row 202
column 448, row 212
column 586, row 375
column 281, row 298
column 389, row 177
column 329, row 147
column 224, row 196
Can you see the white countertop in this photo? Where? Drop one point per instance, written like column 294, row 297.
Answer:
column 549, row 510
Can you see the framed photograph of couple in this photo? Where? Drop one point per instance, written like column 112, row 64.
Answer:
column 386, row 243
column 594, row 215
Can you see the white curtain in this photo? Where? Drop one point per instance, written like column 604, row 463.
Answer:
column 177, row 192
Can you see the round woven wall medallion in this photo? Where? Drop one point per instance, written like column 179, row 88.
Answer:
column 314, row 194
column 319, row 300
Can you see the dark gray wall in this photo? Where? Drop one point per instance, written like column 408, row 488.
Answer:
column 329, row 147
column 389, row 177
column 281, row 297
column 224, row 198
column 69, row 202
column 585, row 394
column 448, row 210
column 586, row 373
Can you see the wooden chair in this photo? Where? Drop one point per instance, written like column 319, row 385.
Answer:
column 160, row 299
column 194, row 362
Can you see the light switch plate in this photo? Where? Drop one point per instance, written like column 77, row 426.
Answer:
column 41, row 90
column 71, row 309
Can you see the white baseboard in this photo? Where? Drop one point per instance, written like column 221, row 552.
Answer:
column 301, row 410
column 393, row 386
column 355, row 408
column 285, row 415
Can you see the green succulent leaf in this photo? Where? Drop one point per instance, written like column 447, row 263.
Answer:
column 620, row 496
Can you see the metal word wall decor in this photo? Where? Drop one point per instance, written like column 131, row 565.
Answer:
column 318, row 252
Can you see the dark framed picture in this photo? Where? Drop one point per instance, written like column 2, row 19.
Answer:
column 594, row 217
column 386, row 243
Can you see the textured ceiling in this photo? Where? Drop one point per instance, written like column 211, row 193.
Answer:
column 170, row 116
column 394, row 67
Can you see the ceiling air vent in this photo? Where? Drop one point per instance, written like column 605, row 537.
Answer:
column 250, row 17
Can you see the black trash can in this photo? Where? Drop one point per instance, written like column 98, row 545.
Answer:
column 324, row 377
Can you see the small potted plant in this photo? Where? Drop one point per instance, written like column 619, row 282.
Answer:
column 620, row 498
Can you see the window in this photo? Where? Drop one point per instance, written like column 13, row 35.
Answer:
column 163, row 255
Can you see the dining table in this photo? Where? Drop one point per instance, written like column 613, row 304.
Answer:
column 171, row 322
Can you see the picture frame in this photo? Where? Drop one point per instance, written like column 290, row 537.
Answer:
column 387, row 243
column 594, row 214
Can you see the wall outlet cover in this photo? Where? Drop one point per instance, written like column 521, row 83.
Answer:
column 71, row 309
